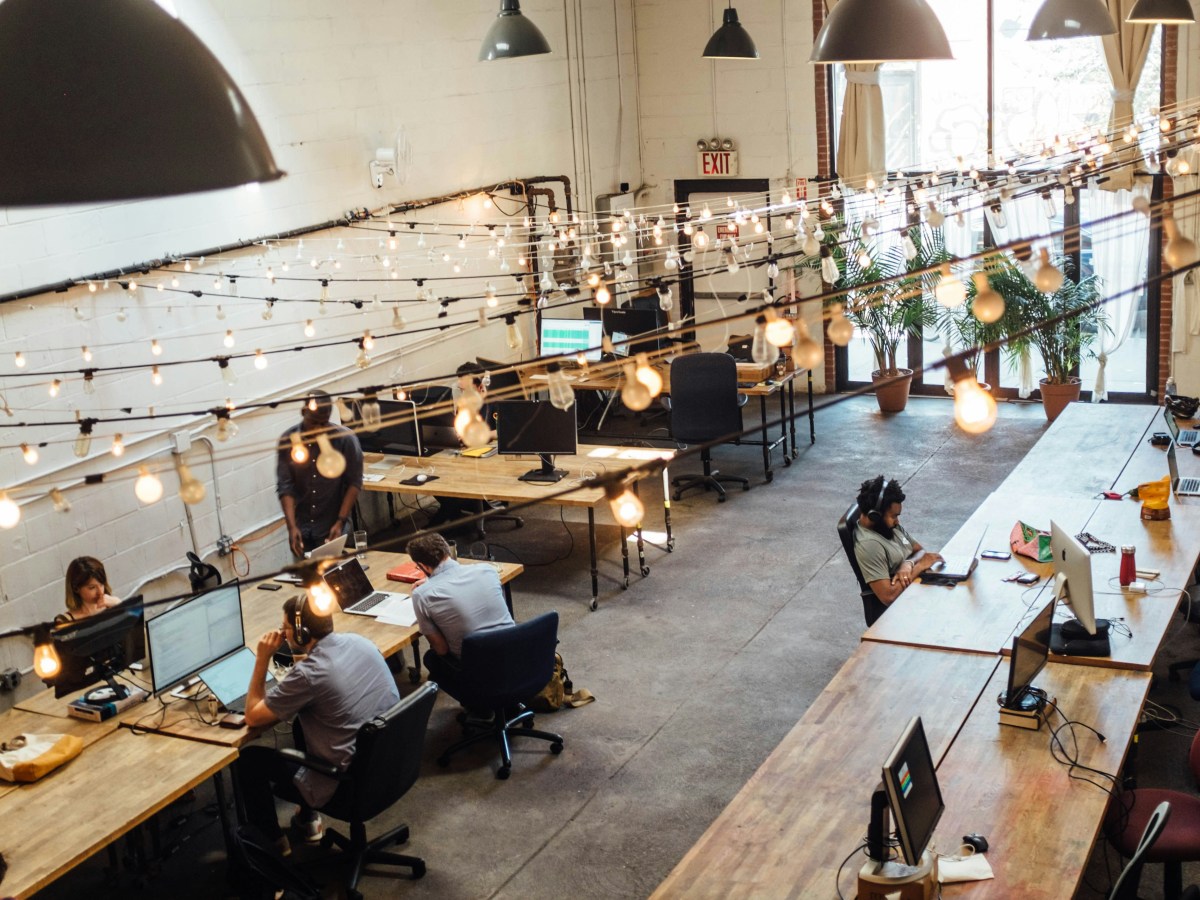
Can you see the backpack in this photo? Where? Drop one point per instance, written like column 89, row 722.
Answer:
column 559, row 691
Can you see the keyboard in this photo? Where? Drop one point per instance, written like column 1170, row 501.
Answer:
column 1188, row 486
column 1188, row 438
column 368, row 602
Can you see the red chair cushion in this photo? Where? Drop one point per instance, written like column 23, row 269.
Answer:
column 1129, row 813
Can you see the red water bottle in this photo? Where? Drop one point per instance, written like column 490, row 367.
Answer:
column 1128, row 566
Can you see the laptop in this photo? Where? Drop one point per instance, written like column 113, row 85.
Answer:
column 953, row 569
column 1188, row 438
column 229, row 678
column 328, row 550
column 1183, row 487
column 355, row 595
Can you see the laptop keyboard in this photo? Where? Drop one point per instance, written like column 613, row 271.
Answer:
column 1188, row 438
column 369, row 602
column 1188, row 486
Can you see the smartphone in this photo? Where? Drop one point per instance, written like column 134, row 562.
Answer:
column 1029, row 578
column 995, row 554
column 269, row 586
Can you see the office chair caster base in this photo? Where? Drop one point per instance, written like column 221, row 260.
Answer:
column 721, row 498
column 503, row 772
column 787, row 460
column 556, row 748
column 770, row 478
column 625, row 584
column 594, row 605
column 645, row 571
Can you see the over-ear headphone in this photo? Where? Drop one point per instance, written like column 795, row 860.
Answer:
column 876, row 514
column 301, row 633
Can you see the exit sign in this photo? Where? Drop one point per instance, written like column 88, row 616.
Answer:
column 717, row 163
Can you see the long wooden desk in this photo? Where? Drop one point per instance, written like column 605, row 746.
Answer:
column 1002, row 782
column 498, row 478
column 20, row 721
column 114, row 785
column 808, row 805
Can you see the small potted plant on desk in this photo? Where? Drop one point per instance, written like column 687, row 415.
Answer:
column 888, row 301
column 1064, row 342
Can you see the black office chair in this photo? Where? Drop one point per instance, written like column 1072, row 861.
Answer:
column 502, row 668
column 202, row 575
column 705, row 405
column 873, row 607
column 387, row 759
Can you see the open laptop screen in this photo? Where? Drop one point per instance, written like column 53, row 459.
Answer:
column 349, row 582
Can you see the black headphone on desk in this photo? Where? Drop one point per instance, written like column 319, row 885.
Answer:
column 298, row 630
column 876, row 514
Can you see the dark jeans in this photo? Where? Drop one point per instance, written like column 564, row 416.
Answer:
column 264, row 775
column 447, row 672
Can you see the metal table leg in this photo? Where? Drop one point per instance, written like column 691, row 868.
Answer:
column 641, row 544
column 592, row 546
column 625, row 556
column 414, row 671
column 766, row 440
column 791, row 393
column 812, row 422
column 783, row 428
column 667, row 509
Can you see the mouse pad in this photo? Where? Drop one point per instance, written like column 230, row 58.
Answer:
column 414, row 480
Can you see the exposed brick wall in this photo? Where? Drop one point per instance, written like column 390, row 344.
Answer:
column 1169, row 91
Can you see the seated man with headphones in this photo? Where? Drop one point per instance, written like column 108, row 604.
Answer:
column 887, row 555
column 339, row 682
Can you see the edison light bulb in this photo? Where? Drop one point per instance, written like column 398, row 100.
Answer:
column 626, row 507
column 226, row 428
column 910, row 247
column 372, row 415
column 83, row 443
column 191, row 489
column 634, row 394
column 999, row 219
column 331, row 463
column 463, row 419
column 561, row 394
column 648, row 375
column 299, row 451
column 477, row 433
column 320, row 598
column 19, row 360
column 513, row 336
column 30, row 454
column 61, row 504
column 86, row 353
column 760, row 351
column 10, row 513
column 829, row 269
column 470, row 399
column 398, row 319
column 362, row 361
column 811, row 246
column 665, row 300
column 229, row 341
column 1180, row 250
column 118, row 446
column 780, row 332
column 260, row 360
column 227, row 372
column 974, row 408
column 807, row 353
column 156, row 348
column 988, row 306
column 700, row 239
column 46, row 663
column 89, row 383
column 148, row 487
column 155, row 376
column 934, row 216
column 310, row 330
column 1047, row 277
column 602, row 294
column 840, row 329
column 368, row 342
column 950, row 291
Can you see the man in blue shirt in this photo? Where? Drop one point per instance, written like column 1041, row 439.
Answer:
column 339, row 682
column 453, row 602
column 317, row 509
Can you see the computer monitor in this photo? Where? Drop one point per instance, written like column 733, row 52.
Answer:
column 1086, row 636
column 503, row 381
column 568, row 337
column 437, row 428
column 1029, row 651
column 911, row 793
column 531, row 426
column 193, row 634
column 95, row 649
column 626, row 323
column 398, row 433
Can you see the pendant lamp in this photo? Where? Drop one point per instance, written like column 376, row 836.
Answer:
column 874, row 31
column 731, row 40
column 117, row 100
column 1070, row 19
column 512, row 35
column 1162, row 12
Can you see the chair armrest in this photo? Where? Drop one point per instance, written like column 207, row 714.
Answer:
column 311, row 762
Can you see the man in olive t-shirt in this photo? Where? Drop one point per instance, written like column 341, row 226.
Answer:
column 887, row 555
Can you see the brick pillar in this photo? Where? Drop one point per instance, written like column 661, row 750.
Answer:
column 1170, row 57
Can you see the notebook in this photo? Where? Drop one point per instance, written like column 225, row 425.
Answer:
column 958, row 568
column 1183, row 487
column 355, row 595
column 229, row 678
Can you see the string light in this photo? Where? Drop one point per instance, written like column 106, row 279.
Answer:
column 1180, row 250
column 626, row 507
column 227, row 374
column 118, row 446
column 974, row 408
column 10, row 512
column 19, row 360
column 648, row 375
column 30, row 454
column 229, row 340
column 221, row 314
column 368, row 342
column 55, row 387
column 260, row 360
column 372, row 413
column 634, row 394
column 320, row 598
column 950, row 291
column 156, row 348
column 226, row 427
column 840, row 329
column 156, row 378
column 59, row 499
column 1048, row 278
column 512, row 333
column 988, row 305
column 191, row 489
column 779, row 331
column 331, row 463
column 561, row 394
column 148, row 488
column 86, row 354
column 46, row 664
column 760, row 350
column 83, row 443
column 603, row 296
column 299, row 451
column 310, row 330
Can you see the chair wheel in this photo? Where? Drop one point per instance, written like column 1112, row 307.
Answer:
column 721, row 498
column 503, row 772
column 443, row 761
column 787, row 460
column 678, row 496
column 746, row 487
column 594, row 605
column 645, row 571
column 556, row 748
column 418, row 869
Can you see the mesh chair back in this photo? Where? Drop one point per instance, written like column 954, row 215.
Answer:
column 704, row 397
column 507, row 665
column 387, row 758
column 873, row 607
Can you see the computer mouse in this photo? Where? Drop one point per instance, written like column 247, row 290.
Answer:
column 422, row 478
column 978, row 841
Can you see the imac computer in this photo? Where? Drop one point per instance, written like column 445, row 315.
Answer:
column 97, row 648
column 911, row 794
column 194, row 634
column 437, row 428
column 1029, row 651
column 531, row 426
column 568, row 337
column 1087, row 635
column 398, row 434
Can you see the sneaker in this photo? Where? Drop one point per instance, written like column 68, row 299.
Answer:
column 311, row 830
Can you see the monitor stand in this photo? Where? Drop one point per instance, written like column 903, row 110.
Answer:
column 109, row 694
column 1072, row 639
column 547, row 474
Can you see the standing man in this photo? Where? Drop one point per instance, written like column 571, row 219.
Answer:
column 317, row 509
column 887, row 555
column 339, row 683
column 453, row 602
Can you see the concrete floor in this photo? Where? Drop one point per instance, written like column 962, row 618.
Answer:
column 699, row 670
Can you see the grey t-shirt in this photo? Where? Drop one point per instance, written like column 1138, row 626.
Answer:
column 878, row 557
column 335, row 690
column 458, row 600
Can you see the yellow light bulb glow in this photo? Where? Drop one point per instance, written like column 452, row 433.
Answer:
column 648, row 375
column 988, row 306
column 320, row 598
column 299, row 451
column 950, row 291
column 626, row 507
column 191, row 489
column 1048, row 277
column 331, row 463
column 30, row 454
column 635, row 395
column 840, row 329
column 46, row 664
column 148, row 488
column 974, row 408
column 10, row 512
column 779, row 331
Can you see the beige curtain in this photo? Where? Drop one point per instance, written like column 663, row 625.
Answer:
column 861, row 139
column 1125, row 53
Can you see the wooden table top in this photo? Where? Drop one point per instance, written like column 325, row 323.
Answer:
column 1084, row 451
column 119, row 782
column 808, row 805
column 1003, row 783
column 981, row 613
column 20, row 721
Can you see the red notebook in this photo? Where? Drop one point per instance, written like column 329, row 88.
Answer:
column 407, row 572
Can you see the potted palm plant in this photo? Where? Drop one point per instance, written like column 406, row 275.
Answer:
column 1075, row 319
column 888, row 300
column 963, row 329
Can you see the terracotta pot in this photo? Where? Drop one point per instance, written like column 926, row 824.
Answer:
column 892, row 397
column 1055, row 397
